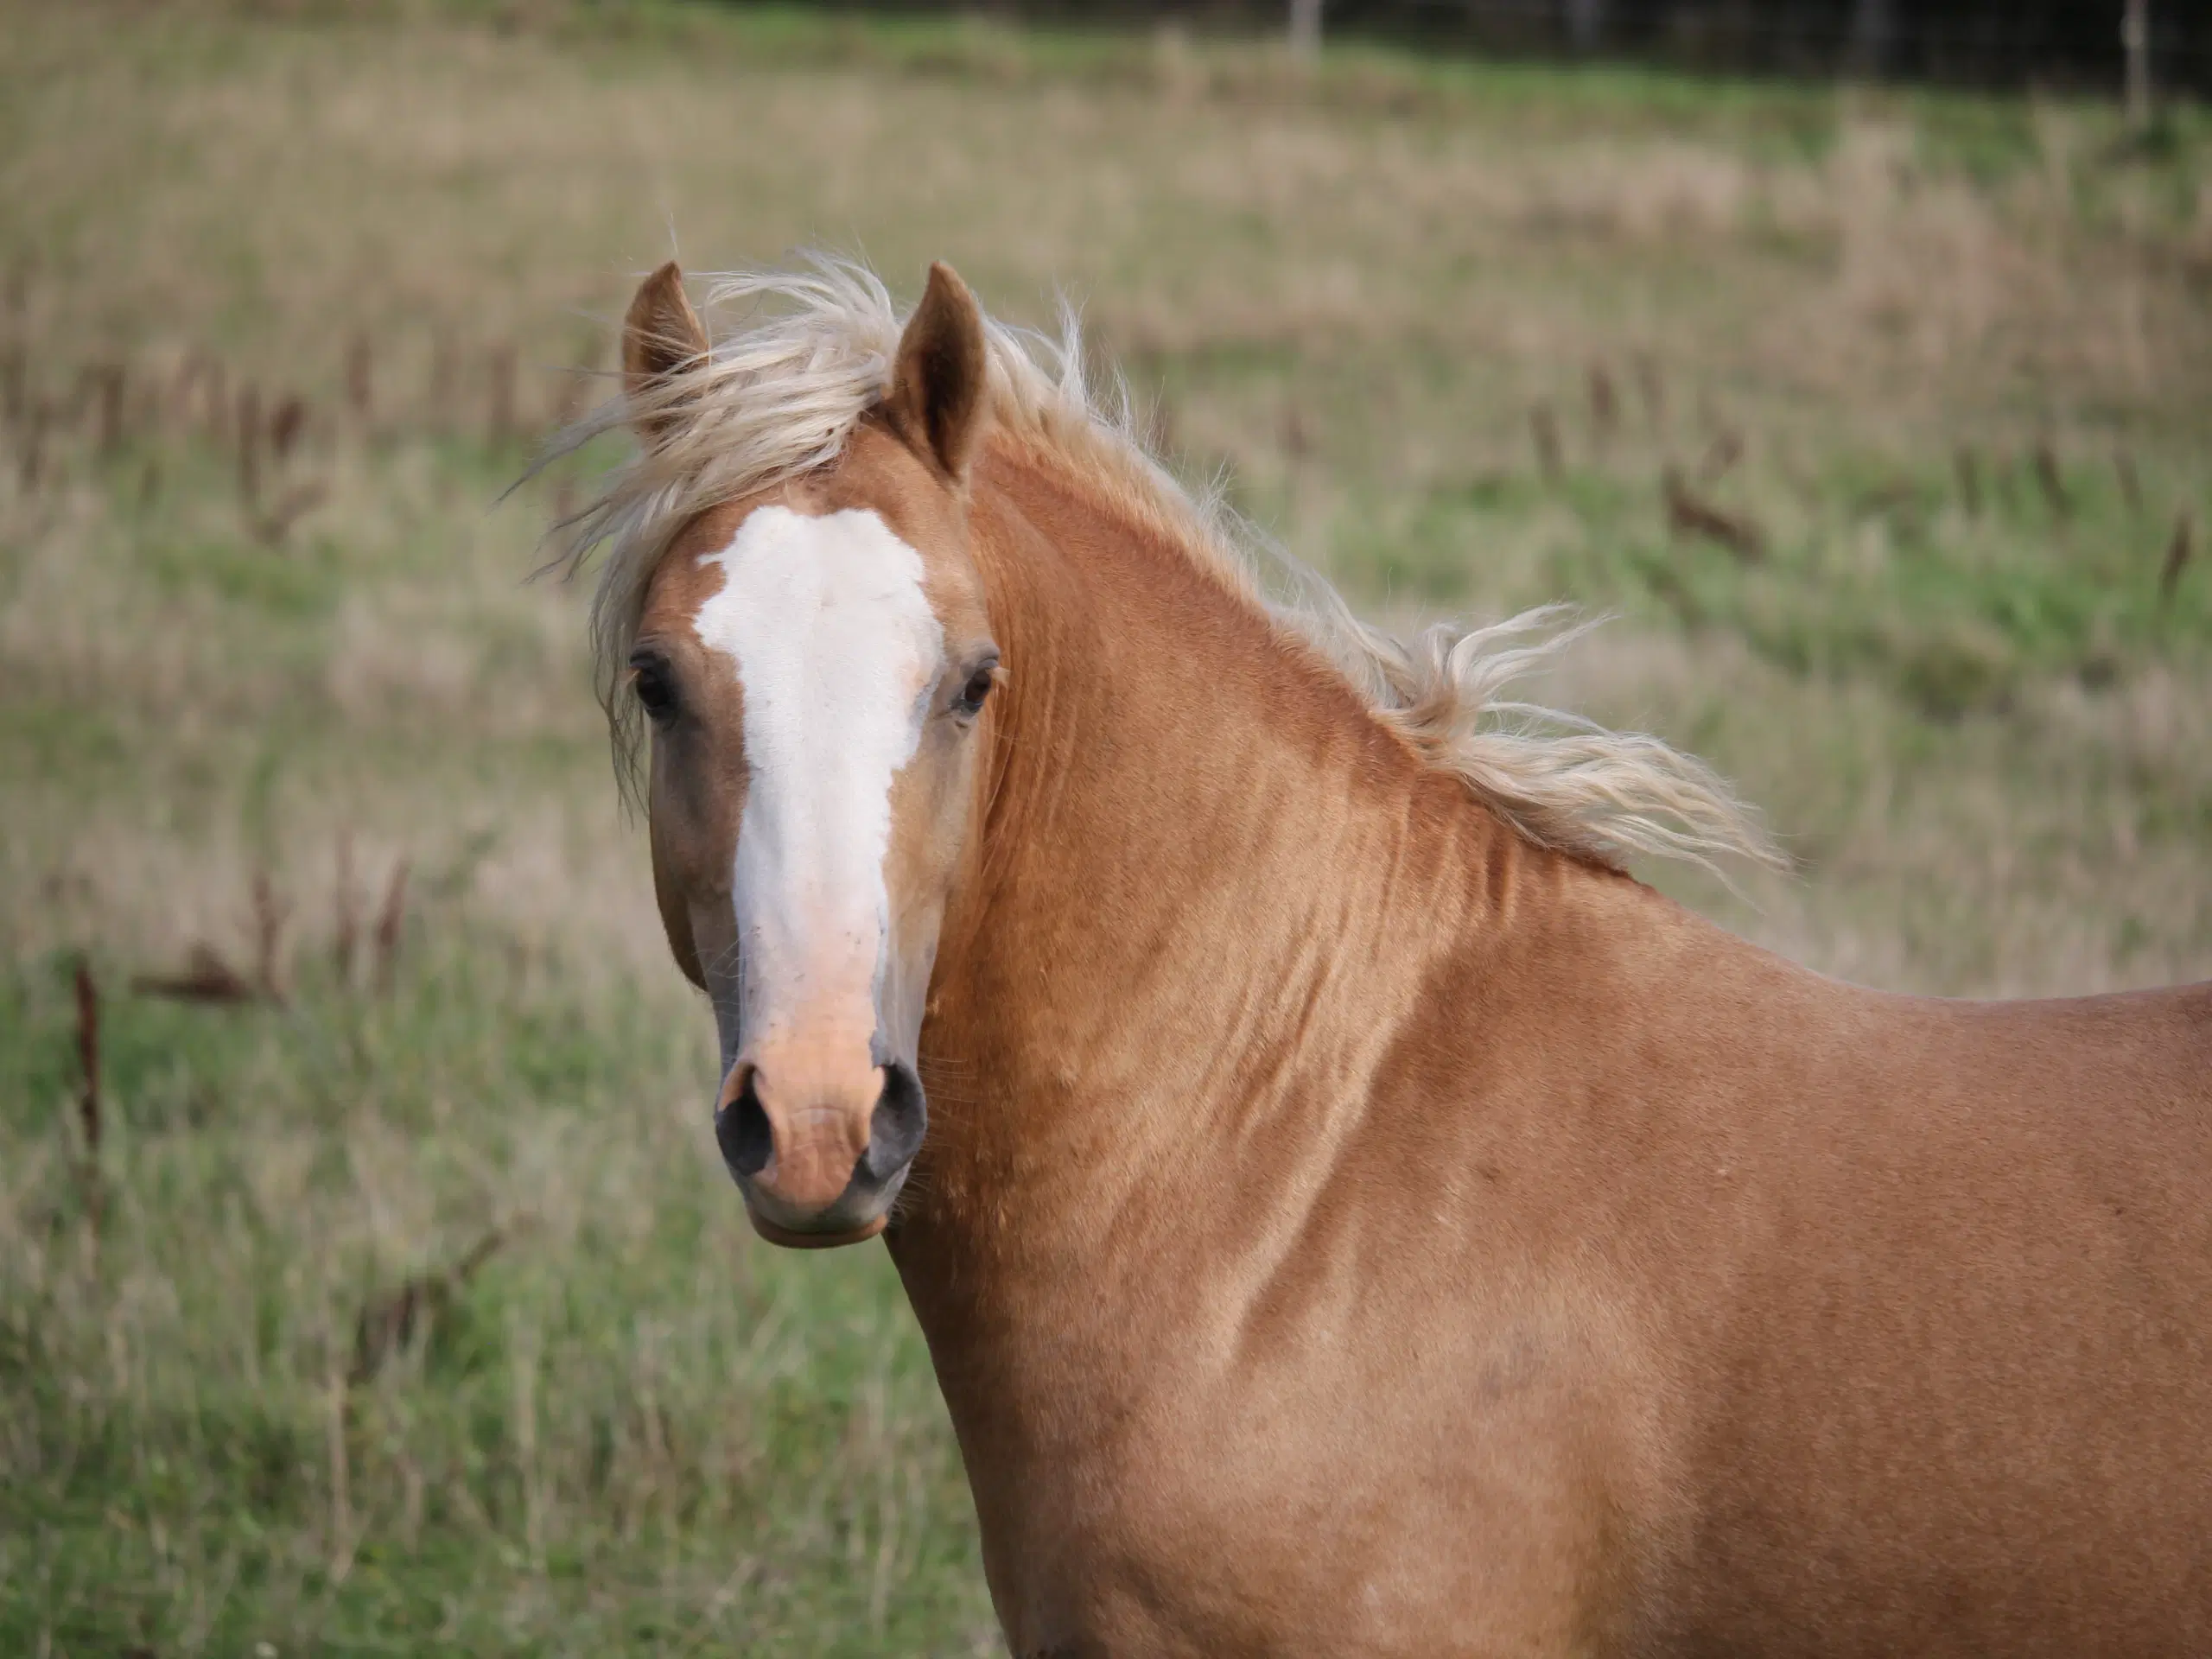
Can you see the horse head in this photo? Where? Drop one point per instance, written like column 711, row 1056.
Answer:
column 813, row 664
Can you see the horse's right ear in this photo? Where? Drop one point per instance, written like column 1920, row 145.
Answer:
column 661, row 334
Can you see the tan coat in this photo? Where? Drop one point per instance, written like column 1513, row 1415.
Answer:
column 1346, row 1227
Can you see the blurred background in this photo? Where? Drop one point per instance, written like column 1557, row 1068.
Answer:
column 368, row 1281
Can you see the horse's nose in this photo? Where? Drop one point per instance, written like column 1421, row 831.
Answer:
column 811, row 1149
column 897, row 1123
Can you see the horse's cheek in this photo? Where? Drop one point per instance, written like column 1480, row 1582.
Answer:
column 675, row 913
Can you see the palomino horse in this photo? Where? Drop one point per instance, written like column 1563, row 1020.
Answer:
column 1355, row 1218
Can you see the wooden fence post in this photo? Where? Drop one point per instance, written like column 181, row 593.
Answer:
column 2135, row 35
column 1586, row 24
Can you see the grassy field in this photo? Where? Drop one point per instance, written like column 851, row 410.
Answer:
column 286, row 298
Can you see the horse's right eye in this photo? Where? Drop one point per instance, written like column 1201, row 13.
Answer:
column 649, row 684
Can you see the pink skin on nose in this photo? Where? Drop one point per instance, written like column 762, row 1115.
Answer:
column 819, row 1108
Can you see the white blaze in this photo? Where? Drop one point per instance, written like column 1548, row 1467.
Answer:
column 837, row 649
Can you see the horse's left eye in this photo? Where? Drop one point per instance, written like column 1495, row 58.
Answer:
column 978, row 687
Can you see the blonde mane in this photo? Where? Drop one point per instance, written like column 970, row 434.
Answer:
column 780, row 395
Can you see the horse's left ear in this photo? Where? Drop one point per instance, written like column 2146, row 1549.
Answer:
column 937, row 389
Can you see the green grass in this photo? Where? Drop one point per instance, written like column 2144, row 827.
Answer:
column 632, row 1427
column 1871, row 570
column 1974, row 718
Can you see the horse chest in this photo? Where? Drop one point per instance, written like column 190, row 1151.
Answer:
column 1205, row 1522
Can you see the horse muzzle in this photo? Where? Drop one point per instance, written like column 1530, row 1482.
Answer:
column 819, row 1158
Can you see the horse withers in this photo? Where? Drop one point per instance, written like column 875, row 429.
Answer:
column 1348, row 1214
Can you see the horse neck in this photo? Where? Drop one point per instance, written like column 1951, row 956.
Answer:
column 1208, row 883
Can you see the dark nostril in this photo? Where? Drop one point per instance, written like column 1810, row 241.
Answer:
column 897, row 1125
column 741, row 1130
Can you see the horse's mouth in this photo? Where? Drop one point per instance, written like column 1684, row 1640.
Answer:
column 793, row 1239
